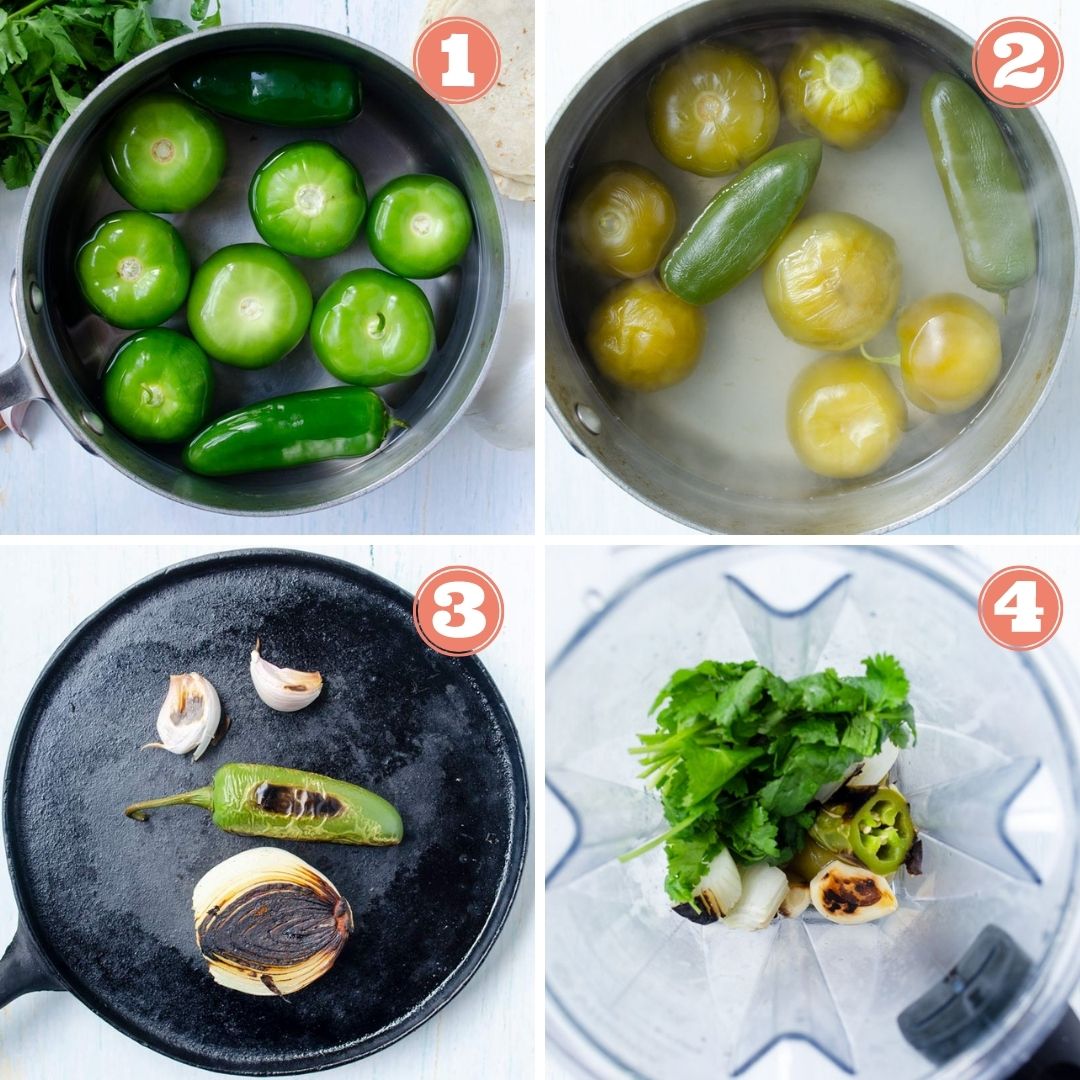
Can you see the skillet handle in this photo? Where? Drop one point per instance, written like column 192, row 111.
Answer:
column 22, row 970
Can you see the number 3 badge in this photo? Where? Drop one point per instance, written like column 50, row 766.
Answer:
column 1020, row 608
column 1018, row 62
column 458, row 611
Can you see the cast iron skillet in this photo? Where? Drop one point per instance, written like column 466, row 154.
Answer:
column 105, row 902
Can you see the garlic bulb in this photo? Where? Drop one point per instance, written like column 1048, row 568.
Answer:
column 851, row 894
column 268, row 923
column 284, row 689
column 189, row 716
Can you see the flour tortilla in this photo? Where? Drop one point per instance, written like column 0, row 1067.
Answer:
column 502, row 121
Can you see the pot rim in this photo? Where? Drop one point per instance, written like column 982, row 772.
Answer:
column 20, row 293
column 583, row 447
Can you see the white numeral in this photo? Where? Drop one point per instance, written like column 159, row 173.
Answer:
column 473, row 620
column 1020, row 601
column 456, row 47
column 1030, row 50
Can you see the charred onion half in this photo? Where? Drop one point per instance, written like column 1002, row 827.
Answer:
column 267, row 923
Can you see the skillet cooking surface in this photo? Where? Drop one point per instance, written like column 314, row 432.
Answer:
column 109, row 899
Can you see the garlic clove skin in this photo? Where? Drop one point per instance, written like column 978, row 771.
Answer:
column 189, row 715
column 269, row 923
column 283, row 689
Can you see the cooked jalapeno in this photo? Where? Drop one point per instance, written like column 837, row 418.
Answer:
column 982, row 185
column 287, row 804
column 878, row 833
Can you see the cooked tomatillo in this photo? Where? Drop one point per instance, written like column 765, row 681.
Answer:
column 844, row 417
column 134, row 270
column 419, row 226
column 848, row 91
column 623, row 219
column 158, row 386
column 372, row 328
column 950, row 352
column 164, row 153
column 307, row 199
column 713, row 109
column 833, row 282
column 249, row 306
column 644, row 338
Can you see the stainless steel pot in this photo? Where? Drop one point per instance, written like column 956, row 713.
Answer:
column 590, row 419
column 401, row 129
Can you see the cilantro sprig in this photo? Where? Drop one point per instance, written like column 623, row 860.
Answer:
column 54, row 52
column 738, row 755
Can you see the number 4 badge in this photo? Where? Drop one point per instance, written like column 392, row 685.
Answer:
column 1020, row 608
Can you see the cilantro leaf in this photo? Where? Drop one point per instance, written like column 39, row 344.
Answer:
column 53, row 54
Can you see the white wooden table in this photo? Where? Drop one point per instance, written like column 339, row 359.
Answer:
column 1031, row 491
column 465, row 485
column 487, row 1031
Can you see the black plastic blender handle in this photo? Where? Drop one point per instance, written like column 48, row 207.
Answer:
column 970, row 1000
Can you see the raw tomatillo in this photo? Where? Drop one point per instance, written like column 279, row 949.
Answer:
column 158, row 386
column 419, row 226
column 134, row 270
column 249, row 306
column 372, row 328
column 164, row 153
column 307, row 199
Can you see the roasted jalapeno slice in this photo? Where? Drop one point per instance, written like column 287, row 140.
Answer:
column 878, row 833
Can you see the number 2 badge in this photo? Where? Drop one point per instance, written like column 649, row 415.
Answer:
column 1018, row 62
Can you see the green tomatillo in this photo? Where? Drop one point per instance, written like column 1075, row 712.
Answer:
column 133, row 270
column 164, row 153
column 372, row 328
column 307, row 199
column 249, row 306
column 158, row 386
column 419, row 226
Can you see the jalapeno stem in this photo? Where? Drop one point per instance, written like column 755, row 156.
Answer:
column 203, row 797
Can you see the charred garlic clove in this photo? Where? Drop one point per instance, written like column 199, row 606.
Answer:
column 849, row 894
column 267, row 923
column 189, row 716
column 284, row 689
column 796, row 901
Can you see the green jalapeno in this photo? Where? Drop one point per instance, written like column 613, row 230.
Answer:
column 878, row 832
column 882, row 831
column 288, row 804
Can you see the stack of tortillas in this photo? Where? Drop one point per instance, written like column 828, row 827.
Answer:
column 502, row 121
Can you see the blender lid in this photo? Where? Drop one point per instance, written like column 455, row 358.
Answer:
column 975, row 966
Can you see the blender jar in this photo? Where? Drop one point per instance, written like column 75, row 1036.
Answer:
column 972, row 972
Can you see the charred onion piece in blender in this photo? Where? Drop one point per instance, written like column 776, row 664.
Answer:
column 268, row 923
column 287, row 804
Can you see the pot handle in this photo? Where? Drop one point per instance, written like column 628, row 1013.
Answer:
column 19, row 383
column 22, row 970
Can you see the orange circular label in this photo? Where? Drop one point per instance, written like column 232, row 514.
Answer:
column 458, row 611
column 457, row 60
column 1018, row 62
column 1020, row 608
